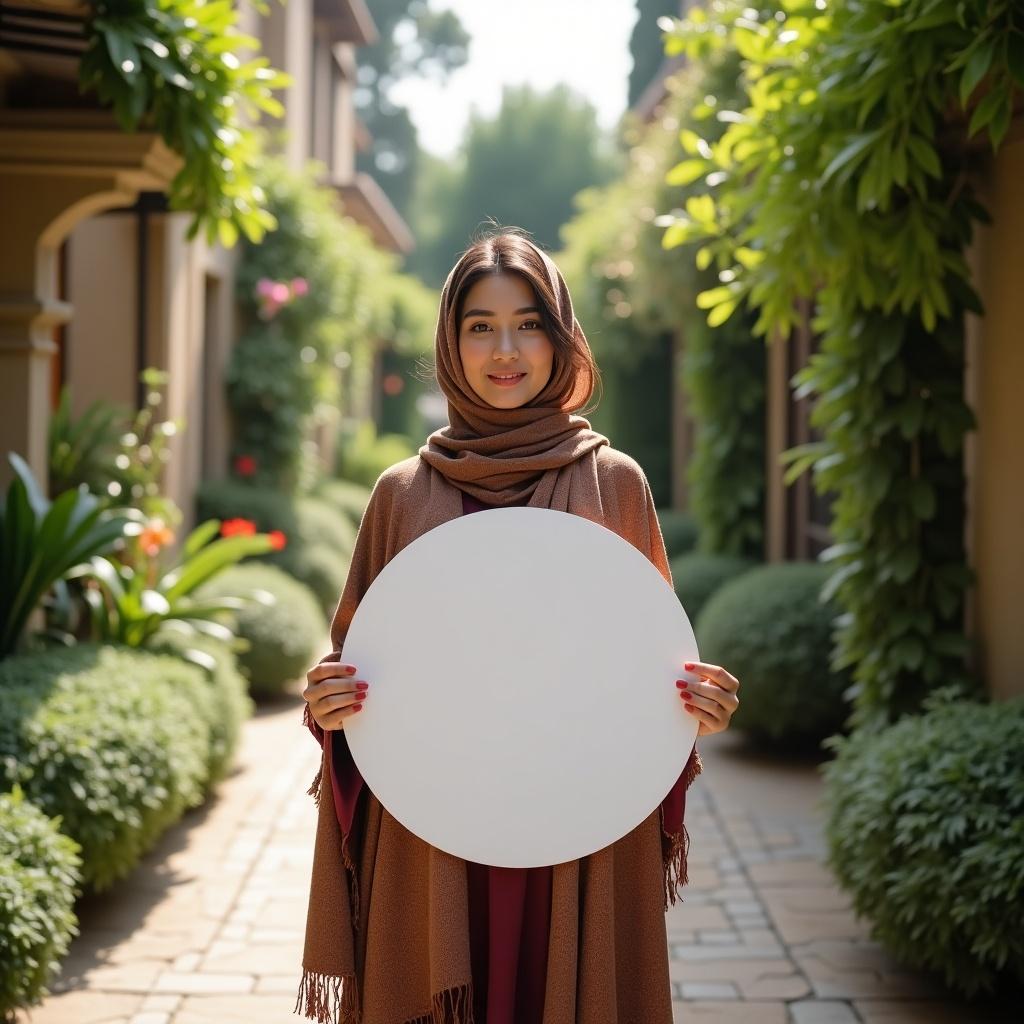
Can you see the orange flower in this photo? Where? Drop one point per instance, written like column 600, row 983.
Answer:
column 154, row 536
column 237, row 528
column 277, row 539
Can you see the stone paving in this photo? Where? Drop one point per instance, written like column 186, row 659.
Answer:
column 208, row 930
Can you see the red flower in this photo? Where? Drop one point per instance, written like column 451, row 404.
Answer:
column 245, row 465
column 277, row 539
column 237, row 528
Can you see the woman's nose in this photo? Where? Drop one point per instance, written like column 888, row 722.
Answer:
column 506, row 341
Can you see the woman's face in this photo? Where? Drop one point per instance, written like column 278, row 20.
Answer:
column 506, row 354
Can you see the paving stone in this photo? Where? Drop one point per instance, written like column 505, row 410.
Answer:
column 803, row 913
column 697, row 1012
column 83, row 1007
column 820, row 1011
column 196, row 983
column 708, row 990
column 883, row 1011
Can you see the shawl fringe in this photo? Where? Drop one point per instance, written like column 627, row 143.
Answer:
column 674, row 858
column 329, row 999
column 452, row 1006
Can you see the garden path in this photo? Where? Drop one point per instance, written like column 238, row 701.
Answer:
column 208, row 930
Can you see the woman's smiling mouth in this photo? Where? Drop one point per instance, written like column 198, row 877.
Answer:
column 505, row 380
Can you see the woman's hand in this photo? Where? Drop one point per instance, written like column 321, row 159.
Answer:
column 333, row 695
column 713, row 700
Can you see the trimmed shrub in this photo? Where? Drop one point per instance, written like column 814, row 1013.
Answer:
column 115, row 741
column 679, row 530
column 697, row 576
column 774, row 634
column 347, row 497
column 231, row 705
column 363, row 456
column 38, row 882
column 926, row 832
column 320, row 539
column 284, row 637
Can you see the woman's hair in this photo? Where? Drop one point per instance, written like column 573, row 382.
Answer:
column 509, row 251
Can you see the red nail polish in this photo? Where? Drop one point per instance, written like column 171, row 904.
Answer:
column 358, row 707
column 682, row 683
column 686, row 697
column 360, row 696
column 688, row 664
column 362, row 686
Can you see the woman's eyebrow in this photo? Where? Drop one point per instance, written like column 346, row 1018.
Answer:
column 490, row 312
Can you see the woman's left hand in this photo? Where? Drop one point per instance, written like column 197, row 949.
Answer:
column 713, row 700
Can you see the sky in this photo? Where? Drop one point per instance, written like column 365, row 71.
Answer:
column 583, row 43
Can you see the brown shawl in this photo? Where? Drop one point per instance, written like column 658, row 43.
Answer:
column 402, row 956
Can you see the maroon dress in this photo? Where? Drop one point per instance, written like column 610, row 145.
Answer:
column 509, row 908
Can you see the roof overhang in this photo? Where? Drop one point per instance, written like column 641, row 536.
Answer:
column 366, row 203
column 350, row 20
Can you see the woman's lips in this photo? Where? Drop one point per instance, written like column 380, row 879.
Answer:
column 508, row 382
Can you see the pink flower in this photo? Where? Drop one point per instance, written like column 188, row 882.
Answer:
column 280, row 293
column 264, row 286
column 300, row 286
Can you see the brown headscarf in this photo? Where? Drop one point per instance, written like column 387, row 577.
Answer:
column 402, row 955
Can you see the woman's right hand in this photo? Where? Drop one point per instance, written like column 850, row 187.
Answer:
column 333, row 694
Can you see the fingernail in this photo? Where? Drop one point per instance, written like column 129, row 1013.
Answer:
column 362, row 686
column 688, row 664
column 350, row 670
column 358, row 707
column 360, row 696
column 682, row 683
column 686, row 697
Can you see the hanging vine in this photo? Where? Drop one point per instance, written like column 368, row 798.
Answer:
column 845, row 176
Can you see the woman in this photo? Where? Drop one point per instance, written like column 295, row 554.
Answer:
column 397, row 931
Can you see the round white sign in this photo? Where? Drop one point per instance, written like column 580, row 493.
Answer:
column 523, row 708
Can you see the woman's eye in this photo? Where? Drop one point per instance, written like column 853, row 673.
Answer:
column 527, row 323
column 473, row 329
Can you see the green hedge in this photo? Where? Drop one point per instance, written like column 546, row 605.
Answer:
column 232, row 706
column 320, row 538
column 926, row 831
column 39, row 877
column 284, row 637
column 363, row 456
column 775, row 635
column 347, row 497
column 679, row 531
column 117, row 742
column 696, row 576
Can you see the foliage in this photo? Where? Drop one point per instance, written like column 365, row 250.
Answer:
column 231, row 705
column 119, row 455
column 318, row 552
column 116, row 742
column 173, row 66
column 697, row 575
column 364, row 456
column 646, row 46
column 128, row 607
column 414, row 41
column 348, row 498
column 40, row 541
column 520, row 167
column 678, row 530
column 774, row 633
column 284, row 626
column 345, row 301
column 38, row 882
column 926, row 830
column 630, row 294
column 844, row 175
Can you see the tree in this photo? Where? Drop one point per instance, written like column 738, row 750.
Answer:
column 521, row 167
column 646, row 45
column 414, row 40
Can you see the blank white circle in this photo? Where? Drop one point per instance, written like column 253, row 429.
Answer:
column 522, row 708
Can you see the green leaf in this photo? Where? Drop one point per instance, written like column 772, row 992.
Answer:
column 1015, row 56
column 977, row 65
column 850, row 155
column 686, row 172
column 983, row 111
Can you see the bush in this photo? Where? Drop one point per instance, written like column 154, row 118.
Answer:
column 679, row 530
column 926, row 831
column 347, row 497
column 231, row 705
column 697, row 576
column 362, row 457
column 771, row 630
column 115, row 741
column 38, row 881
column 285, row 637
column 320, row 539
